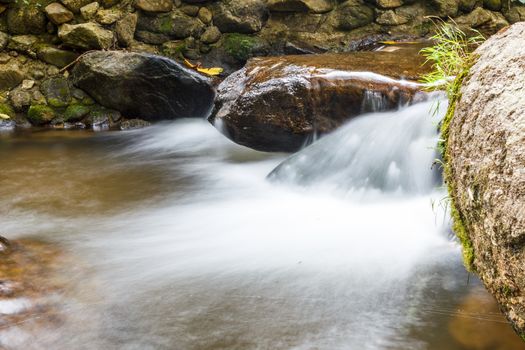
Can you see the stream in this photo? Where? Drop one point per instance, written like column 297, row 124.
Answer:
column 177, row 239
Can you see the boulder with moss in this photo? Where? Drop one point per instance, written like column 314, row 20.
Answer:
column 485, row 155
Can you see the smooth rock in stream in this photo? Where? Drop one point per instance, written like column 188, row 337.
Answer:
column 485, row 156
column 279, row 103
column 142, row 85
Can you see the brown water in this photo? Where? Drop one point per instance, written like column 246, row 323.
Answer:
column 171, row 238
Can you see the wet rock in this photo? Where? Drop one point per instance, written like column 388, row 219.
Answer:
column 85, row 36
column 58, row 14
column 248, row 16
column 150, row 87
column 278, row 103
column 485, row 157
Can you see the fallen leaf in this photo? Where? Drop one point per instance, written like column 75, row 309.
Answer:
column 210, row 71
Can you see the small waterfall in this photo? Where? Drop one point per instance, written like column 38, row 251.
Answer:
column 382, row 152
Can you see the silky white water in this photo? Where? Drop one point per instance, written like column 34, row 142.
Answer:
column 183, row 243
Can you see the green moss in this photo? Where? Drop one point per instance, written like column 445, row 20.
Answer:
column 76, row 112
column 240, row 46
column 459, row 221
column 6, row 109
column 40, row 114
column 174, row 50
column 166, row 24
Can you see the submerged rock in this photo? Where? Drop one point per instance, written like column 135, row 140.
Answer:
column 147, row 86
column 485, row 157
column 279, row 103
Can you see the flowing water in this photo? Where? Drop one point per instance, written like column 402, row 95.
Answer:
column 177, row 240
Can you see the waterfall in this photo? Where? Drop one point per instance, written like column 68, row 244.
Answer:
column 382, row 151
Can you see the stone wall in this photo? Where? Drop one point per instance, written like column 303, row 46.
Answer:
column 39, row 37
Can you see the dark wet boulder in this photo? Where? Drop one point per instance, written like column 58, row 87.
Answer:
column 142, row 85
column 279, row 103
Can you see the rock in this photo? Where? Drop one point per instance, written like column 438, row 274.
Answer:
column 133, row 124
column 494, row 5
column 86, row 36
column 313, row 6
column 147, row 86
column 174, row 25
column 125, row 29
column 26, row 20
column 485, row 157
column 445, row 8
column 108, row 17
column 389, row 4
column 75, row 5
column 40, row 114
column 278, row 103
column 58, row 14
column 56, row 57
column 351, row 14
column 22, row 43
column 247, row 16
column 88, row 11
column 10, row 76
column 20, row 99
column 76, row 112
column 154, row 5
column 205, row 15
column 56, row 90
column 390, row 18
column 27, row 84
column 190, row 10
column 4, row 39
column 484, row 21
column 211, row 35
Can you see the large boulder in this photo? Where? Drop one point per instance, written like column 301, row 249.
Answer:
column 145, row 86
column 279, row 103
column 485, row 157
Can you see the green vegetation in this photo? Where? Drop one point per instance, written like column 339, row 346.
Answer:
column 240, row 46
column 76, row 112
column 6, row 109
column 451, row 58
column 40, row 114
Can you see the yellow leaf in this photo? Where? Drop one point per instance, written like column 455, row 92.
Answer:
column 210, row 71
column 189, row 64
column 4, row 116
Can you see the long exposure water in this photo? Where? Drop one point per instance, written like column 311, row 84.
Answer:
column 179, row 241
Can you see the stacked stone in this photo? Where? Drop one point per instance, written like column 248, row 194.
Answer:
column 39, row 37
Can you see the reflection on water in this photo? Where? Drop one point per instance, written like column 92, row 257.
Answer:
column 180, row 243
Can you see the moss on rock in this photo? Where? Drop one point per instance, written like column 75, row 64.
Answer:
column 40, row 114
column 6, row 109
column 240, row 46
column 75, row 112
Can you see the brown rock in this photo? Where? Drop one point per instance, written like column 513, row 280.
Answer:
column 278, row 103
column 125, row 29
column 154, row 5
column 58, row 14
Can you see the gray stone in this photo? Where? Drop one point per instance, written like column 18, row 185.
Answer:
column 154, row 5
column 56, row 90
column 351, row 14
column 485, row 156
column 312, row 6
column 55, row 56
column 211, row 35
column 26, row 20
column 231, row 16
column 125, row 29
column 75, row 5
column 10, row 76
column 88, row 11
